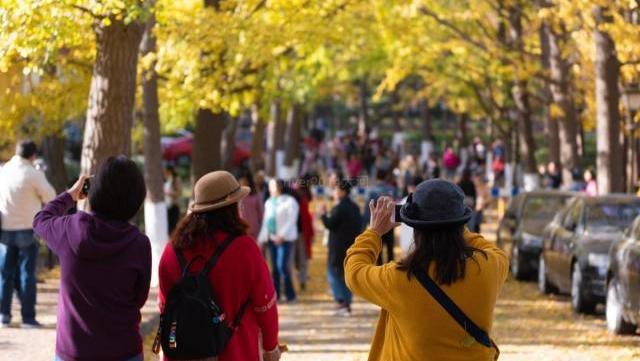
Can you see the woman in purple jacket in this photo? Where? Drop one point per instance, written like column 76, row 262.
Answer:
column 105, row 265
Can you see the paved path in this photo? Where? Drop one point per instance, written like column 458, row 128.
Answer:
column 17, row 344
column 527, row 327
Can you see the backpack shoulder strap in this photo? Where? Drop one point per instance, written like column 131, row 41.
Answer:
column 456, row 313
column 181, row 260
column 238, row 318
column 216, row 255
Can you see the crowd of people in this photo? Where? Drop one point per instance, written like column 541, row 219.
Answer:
column 237, row 223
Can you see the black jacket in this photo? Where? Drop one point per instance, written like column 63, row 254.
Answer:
column 344, row 223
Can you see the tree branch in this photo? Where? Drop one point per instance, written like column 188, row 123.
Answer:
column 449, row 25
column 87, row 11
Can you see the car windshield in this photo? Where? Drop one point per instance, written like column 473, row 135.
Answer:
column 612, row 217
column 542, row 208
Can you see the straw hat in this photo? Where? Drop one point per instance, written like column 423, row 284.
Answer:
column 216, row 190
column 435, row 204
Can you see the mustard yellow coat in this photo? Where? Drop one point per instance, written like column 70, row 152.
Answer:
column 412, row 325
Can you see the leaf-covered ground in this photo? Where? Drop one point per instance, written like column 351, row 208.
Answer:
column 528, row 327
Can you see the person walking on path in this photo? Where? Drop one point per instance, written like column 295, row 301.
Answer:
column 450, row 163
column 23, row 191
column 240, row 275
column 105, row 264
column 466, row 269
column 251, row 206
column 343, row 224
column 280, row 232
column 381, row 189
column 172, row 192
column 306, row 231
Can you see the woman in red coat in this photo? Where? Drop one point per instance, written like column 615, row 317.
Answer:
column 240, row 274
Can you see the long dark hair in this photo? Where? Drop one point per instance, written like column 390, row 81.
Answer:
column 246, row 174
column 447, row 248
column 196, row 227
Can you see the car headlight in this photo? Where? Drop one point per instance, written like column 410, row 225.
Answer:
column 598, row 260
column 529, row 240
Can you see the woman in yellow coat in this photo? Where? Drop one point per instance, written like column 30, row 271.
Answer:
column 470, row 271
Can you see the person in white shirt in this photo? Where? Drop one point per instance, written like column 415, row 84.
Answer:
column 280, row 231
column 23, row 191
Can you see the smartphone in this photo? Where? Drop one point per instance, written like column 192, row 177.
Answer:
column 85, row 187
column 395, row 216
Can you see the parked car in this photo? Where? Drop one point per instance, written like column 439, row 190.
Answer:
column 623, row 282
column 178, row 149
column 575, row 250
column 520, row 230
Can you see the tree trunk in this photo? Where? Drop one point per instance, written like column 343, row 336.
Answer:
column 521, row 95
column 551, row 124
column 111, row 97
column 229, row 143
column 427, row 126
column 155, row 208
column 257, row 140
column 395, row 113
column 463, row 138
column 561, row 91
column 363, row 118
column 610, row 171
column 207, row 138
column 294, row 128
column 275, row 143
column 426, row 145
column 153, row 172
column 53, row 153
column 525, row 127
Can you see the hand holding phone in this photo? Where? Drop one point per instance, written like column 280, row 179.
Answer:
column 80, row 189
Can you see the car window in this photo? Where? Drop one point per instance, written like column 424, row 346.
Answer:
column 614, row 217
column 542, row 208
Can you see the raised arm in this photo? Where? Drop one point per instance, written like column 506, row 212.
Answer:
column 362, row 275
column 51, row 222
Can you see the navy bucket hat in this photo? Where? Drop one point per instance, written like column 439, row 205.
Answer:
column 435, row 204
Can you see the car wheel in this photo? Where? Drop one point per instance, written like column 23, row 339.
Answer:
column 615, row 321
column 579, row 302
column 517, row 270
column 543, row 282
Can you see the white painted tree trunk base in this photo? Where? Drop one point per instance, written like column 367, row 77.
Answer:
column 531, row 182
column 157, row 229
column 426, row 147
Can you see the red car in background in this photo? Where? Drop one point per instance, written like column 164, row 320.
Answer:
column 178, row 150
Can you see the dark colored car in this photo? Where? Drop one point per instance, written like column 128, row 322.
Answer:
column 623, row 282
column 575, row 251
column 520, row 230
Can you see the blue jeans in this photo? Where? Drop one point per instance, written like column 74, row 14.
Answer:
column 139, row 357
column 18, row 254
column 341, row 292
column 281, row 268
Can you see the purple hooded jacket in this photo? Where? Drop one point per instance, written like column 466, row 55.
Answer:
column 105, row 274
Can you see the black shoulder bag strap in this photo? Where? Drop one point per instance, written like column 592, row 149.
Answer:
column 455, row 312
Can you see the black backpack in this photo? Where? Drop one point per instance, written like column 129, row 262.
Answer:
column 192, row 325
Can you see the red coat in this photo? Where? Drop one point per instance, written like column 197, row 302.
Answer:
column 306, row 221
column 241, row 273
